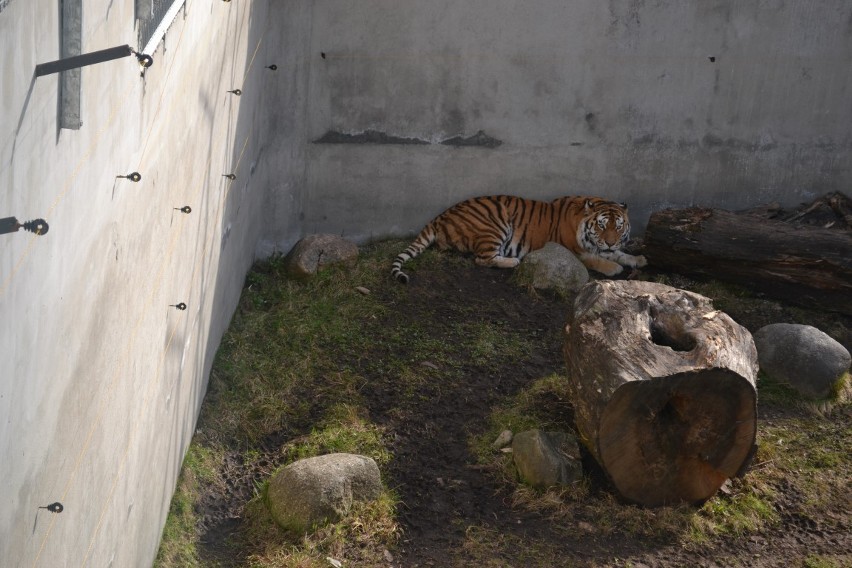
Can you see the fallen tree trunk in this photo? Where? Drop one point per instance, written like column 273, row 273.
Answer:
column 663, row 389
column 803, row 264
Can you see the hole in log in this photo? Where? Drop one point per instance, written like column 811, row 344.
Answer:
column 669, row 332
column 671, row 415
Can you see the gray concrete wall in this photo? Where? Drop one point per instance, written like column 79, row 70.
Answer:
column 100, row 379
column 617, row 98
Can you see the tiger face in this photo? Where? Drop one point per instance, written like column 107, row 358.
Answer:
column 605, row 227
column 602, row 233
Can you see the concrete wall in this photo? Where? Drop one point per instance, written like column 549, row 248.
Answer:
column 100, row 380
column 617, row 98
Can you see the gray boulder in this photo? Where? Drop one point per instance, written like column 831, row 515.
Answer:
column 313, row 491
column 554, row 267
column 545, row 459
column 801, row 356
column 315, row 252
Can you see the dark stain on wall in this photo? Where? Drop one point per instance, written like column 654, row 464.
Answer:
column 366, row 137
column 479, row 139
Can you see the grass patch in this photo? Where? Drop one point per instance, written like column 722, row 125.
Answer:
column 345, row 430
column 488, row 547
column 363, row 538
column 179, row 545
column 540, row 406
column 489, row 344
column 746, row 511
column 826, row 561
column 273, row 368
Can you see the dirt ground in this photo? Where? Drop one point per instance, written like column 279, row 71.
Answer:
column 432, row 444
column 445, row 493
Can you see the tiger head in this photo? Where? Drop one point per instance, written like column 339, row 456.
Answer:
column 605, row 226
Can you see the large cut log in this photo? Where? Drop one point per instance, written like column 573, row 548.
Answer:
column 798, row 263
column 663, row 389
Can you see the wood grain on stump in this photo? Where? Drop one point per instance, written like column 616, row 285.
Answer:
column 663, row 388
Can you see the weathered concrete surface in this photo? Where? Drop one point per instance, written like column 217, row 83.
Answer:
column 100, row 380
column 613, row 98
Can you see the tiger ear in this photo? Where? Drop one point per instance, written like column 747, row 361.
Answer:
column 624, row 205
column 588, row 205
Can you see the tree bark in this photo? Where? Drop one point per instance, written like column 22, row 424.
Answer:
column 663, row 389
column 803, row 264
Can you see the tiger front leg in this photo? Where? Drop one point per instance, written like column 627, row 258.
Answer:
column 498, row 261
column 625, row 259
column 599, row 264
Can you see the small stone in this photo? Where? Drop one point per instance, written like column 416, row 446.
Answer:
column 334, row 562
column 503, row 440
column 429, row 364
column 545, row 459
column 362, row 290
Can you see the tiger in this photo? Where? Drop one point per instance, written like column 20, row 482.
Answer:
column 501, row 229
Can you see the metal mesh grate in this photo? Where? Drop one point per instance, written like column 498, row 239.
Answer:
column 150, row 14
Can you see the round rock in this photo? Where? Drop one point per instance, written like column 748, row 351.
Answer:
column 313, row 491
column 801, row 356
column 545, row 459
column 554, row 267
column 315, row 252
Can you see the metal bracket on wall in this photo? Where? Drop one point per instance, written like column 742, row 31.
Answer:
column 101, row 56
column 133, row 176
column 11, row 225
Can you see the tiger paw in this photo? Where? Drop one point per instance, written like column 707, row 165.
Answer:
column 640, row 261
column 611, row 269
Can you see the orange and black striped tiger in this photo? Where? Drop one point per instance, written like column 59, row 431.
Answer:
column 501, row 229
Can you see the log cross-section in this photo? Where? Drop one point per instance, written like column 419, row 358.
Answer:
column 663, row 389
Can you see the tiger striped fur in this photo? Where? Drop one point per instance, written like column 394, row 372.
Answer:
column 501, row 229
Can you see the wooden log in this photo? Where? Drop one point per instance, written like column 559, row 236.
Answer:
column 807, row 265
column 663, row 389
